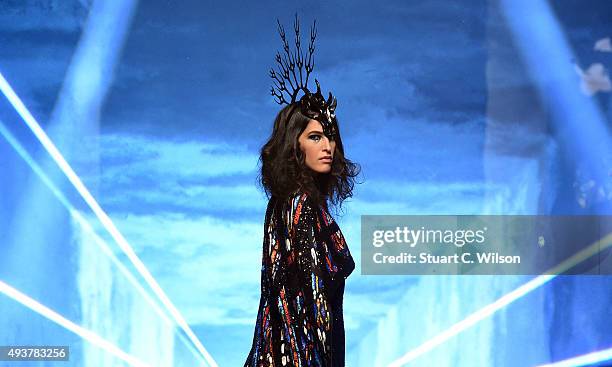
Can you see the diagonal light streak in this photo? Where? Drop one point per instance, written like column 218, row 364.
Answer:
column 86, row 334
column 504, row 301
column 540, row 39
column 89, row 229
column 580, row 125
column 471, row 320
column 101, row 214
column 583, row 360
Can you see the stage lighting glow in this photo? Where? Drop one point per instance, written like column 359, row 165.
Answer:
column 504, row 301
column 88, row 335
column 581, row 125
column 100, row 214
column 546, row 51
column 472, row 319
column 583, row 360
column 79, row 218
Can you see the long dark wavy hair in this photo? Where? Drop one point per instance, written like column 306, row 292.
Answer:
column 284, row 171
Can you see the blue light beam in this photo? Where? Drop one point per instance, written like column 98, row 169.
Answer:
column 101, row 214
column 504, row 301
column 583, row 360
column 85, row 225
column 580, row 125
column 86, row 334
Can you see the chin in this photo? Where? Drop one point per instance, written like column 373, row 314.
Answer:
column 321, row 170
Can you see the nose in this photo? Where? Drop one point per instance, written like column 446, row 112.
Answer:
column 327, row 145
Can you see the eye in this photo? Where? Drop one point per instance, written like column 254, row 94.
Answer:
column 315, row 137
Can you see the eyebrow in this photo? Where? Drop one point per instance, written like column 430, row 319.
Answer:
column 315, row 132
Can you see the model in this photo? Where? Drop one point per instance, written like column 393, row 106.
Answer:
column 305, row 258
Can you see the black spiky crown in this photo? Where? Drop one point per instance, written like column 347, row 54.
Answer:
column 289, row 79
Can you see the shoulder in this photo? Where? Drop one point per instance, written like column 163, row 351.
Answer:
column 302, row 199
column 301, row 202
column 301, row 206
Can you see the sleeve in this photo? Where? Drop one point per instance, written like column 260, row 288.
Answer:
column 307, row 320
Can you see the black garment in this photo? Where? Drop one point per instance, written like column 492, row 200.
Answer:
column 305, row 262
column 338, row 327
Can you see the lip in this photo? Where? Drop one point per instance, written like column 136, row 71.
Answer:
column 327, row 159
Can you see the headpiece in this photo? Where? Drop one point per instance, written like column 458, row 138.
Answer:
column 311, row 104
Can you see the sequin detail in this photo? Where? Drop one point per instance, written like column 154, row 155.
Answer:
column 305, row 261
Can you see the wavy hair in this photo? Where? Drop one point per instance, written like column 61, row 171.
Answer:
column 284, row 171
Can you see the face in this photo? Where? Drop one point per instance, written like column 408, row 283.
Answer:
column 317, row 148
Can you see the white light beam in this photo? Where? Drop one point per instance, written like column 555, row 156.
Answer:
column 503, row 301
column 583, row 360
column 101, row 214
column 88, row 335
column 88, row 227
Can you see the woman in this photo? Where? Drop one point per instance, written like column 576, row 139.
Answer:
column 305, row 257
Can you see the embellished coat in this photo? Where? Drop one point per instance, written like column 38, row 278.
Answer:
column 304, row 266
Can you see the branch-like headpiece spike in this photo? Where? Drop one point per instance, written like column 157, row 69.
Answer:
column 312, row 105
column 287, row 75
